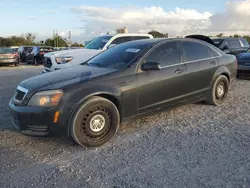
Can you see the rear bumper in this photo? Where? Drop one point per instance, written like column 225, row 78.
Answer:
column 3, row 61
column 39, row 121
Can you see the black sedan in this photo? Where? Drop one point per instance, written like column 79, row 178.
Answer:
column 88, row 102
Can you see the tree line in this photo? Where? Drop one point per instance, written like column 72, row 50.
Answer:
column 57, row 41
column 29, row 40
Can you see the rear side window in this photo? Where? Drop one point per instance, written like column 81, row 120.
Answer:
column 166, row 54
column 234, row 43
column 193, row 51
column 140, row 37
column 121, row 40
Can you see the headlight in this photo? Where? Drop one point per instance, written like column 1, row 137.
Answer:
column 46, row 98
column 62, row 60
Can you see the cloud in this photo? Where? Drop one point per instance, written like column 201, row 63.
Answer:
column 50, row 12
column 141, row 19
column 234, row 19
column 35, row 18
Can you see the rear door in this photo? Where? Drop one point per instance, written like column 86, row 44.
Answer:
column 160, row 88
column 201, row 62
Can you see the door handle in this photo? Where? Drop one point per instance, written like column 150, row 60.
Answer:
column 179, row 71
column 213, row 63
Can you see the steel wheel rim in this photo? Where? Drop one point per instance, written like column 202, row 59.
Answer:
column 97, row 123
column 220, row 90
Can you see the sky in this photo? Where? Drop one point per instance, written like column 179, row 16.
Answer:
column 88, row 19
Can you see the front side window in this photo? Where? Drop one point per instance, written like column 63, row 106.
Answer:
column 166, row 54
column 119, row 56
column 193, row 51
column 98, row 43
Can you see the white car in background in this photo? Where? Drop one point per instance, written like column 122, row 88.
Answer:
column 67, row 58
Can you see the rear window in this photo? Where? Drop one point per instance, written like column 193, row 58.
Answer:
column 28, row 49
column 6, row 51
column 46, row 49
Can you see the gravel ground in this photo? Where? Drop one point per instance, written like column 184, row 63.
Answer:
column 191, row 146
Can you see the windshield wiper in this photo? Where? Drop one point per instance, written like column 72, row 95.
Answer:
column 98, row 64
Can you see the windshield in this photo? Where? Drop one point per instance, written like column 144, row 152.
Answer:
column 119, row 56
column 217, row 42
column 98, row 43
column 6, row 51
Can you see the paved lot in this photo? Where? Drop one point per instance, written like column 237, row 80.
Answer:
column 190, row 146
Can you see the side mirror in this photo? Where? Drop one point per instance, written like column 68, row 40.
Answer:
column 111, row 46
column 150, row 66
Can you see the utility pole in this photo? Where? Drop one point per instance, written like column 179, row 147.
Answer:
column 54, row 38
column 69, row 38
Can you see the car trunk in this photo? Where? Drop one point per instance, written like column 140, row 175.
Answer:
column 201, row 37
column 6, row 56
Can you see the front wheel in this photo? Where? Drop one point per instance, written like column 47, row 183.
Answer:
column 95, row 122
column 219, row 91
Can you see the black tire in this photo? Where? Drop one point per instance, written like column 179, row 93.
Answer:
column 35, row 62
column 105, row 119
column 219, row 91
column 16, row 64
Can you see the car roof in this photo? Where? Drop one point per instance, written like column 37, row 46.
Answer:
column 127, row 34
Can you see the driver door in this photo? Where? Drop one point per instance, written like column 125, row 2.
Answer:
column 159, row 88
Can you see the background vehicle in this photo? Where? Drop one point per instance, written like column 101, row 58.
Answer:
column 67, row 58
column 36, row 55
column 9, row 56
column 89, row 101
column 243, row 60
column 23, row 51
column 15, row 48
column 231, row 45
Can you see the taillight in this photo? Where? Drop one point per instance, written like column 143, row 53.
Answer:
column 236, row 64
column 14, row 55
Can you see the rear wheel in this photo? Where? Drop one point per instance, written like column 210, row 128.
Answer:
column 35, row 62
column 219, row 91
column 95, row 122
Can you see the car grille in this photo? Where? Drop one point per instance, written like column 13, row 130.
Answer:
column 40, row 128
column 20, row 94
column 47, row 62
column 244, row 63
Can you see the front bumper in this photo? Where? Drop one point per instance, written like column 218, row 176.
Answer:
column 243, row 70
column 5, row 61
column 39, row 121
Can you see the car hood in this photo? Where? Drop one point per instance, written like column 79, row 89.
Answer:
column 243, row 56
column 61, row 78
column 72, row 52
column 201, row 37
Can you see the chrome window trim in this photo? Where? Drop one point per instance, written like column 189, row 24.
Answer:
column 191, row 62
